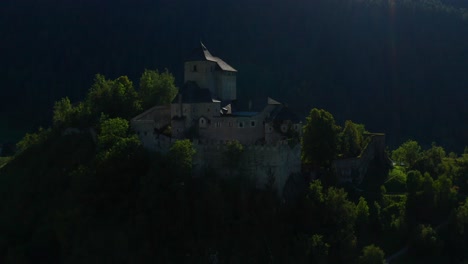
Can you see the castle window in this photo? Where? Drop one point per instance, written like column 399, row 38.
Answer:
column 284, row 128
column 194, row 68
column 241, row 124
column 230, row 124
column 146, row 133
column 218, row 124
column 252, row 123
column 208, row 110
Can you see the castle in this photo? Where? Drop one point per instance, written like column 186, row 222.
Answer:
column 205, row 111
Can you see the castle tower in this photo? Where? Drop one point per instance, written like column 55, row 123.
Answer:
column 212, row 73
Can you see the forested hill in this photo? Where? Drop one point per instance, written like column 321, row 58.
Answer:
column 398, row 66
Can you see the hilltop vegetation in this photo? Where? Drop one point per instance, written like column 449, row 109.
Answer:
column 93, row 194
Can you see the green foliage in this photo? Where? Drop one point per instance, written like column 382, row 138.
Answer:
column 62, row 112
column 320, row 138
column 431, row 161
column 362, row 210
column 4, row 161
column 115, row 98
column 426, row 241
column 315, row 193
column 445, row 195
column 372, row 254
column 156, row 88
column 407, row 154
column 351, row 139
column 396, row 181
column 33, row 139
column 181, row 155
column 66, row 115
column 112, row 131
column 334, row 215
column 318, row 249
column 414, row 182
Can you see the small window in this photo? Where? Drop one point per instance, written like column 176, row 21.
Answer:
column 252, row 123
column 284, row 128
column 146, row 133
column 202, row 121
column 208, row 110
column 194, row 68
column 241, row 124
column 270, row 129
column 218, row 124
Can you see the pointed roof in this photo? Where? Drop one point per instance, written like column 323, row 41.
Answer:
column 201, row 53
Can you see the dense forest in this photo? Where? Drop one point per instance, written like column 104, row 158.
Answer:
column 397, row 66
column 85, row 191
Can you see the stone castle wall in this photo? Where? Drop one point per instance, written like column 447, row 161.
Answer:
column 354, row 169
column 260, row 162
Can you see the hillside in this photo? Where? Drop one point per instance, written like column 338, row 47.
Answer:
column 94, row 195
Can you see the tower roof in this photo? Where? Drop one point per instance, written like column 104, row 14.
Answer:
column 191, row 94
column 201, row 53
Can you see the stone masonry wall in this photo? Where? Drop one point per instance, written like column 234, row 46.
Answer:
column 257, row 161
column 354, row 169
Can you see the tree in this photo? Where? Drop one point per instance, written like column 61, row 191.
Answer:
column 62, row 112
column 431, row 160
column 115, row 98
column 33, row 139
column 351, row 139
column 181, row 155
column 413, row 182
column 318, row 251
column 157, row 88
column 362, row 210
column 445, row 195
column 407, row 153
column 112, row 131
column 67, row 115
column 320, row 138
column 426, row 242
column 372, row 254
